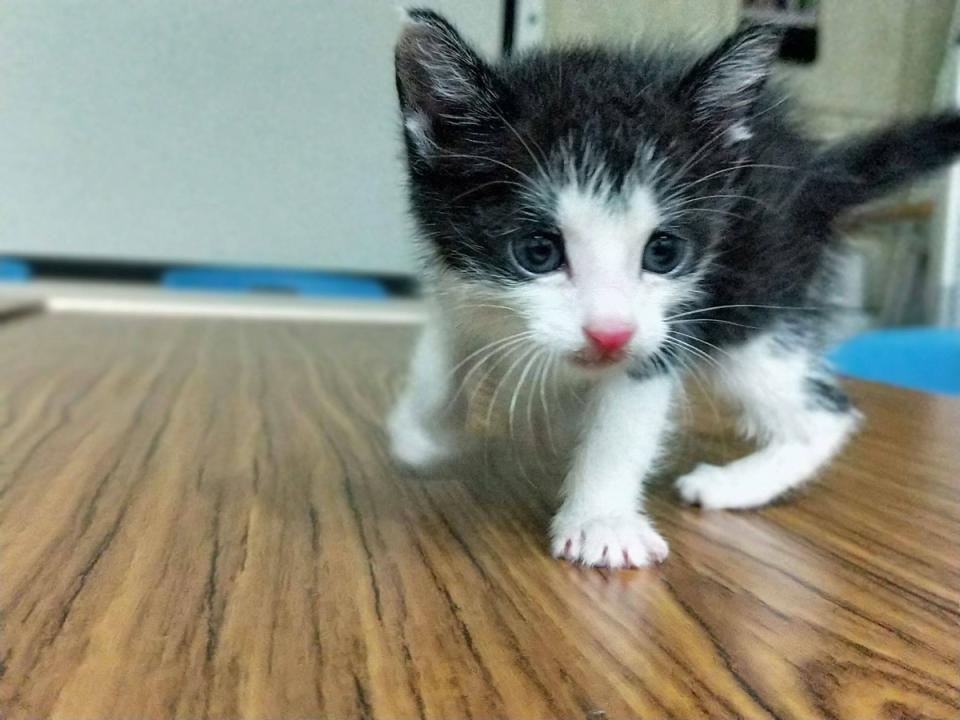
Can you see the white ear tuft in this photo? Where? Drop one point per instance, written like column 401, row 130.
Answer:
column 738, row 132
column 418, row 130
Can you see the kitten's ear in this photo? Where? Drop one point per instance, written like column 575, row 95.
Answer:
column 726, row 84
column 440, row 78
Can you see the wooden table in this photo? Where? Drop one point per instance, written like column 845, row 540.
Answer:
column 198, row 519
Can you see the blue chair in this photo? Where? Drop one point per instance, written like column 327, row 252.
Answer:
column 299, row 282
column 918, row 358
column 14, row 270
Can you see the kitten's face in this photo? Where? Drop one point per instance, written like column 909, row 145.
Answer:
column 603, row 274
column 578, row 194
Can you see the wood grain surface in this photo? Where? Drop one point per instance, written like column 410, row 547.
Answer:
column 198, row 520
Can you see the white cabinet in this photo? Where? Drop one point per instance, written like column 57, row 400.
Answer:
column 248, row 131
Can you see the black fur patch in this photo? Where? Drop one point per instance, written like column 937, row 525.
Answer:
column 827, row 396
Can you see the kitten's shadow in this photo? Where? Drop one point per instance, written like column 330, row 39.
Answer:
column 497, row 488
column 515, row 482
column 498, row 471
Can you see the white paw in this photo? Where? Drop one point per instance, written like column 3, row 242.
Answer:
column 413, row 445
column 614, row 541
column 718, row 488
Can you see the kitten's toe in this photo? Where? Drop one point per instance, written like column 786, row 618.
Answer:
column 694, row 484
column 612, row 541
column 717, row 488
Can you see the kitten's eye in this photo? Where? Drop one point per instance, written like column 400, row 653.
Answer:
column 664, row 253
column 538, row 254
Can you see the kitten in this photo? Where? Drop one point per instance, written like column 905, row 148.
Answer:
column 618, row 217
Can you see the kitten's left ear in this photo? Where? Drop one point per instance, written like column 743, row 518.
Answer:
column 726, row 84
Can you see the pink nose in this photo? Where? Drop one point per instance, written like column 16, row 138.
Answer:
column 608, row 340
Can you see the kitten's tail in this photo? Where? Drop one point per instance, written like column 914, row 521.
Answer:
column 853, row 172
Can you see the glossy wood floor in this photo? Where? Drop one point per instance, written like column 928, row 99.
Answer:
column 198, row 520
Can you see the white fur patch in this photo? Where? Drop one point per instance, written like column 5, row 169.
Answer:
column 416, row 125
column 770, row 384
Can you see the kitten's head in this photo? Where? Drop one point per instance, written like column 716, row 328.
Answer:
column 581, row 191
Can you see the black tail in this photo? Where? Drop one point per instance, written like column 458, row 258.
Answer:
column 865, row 168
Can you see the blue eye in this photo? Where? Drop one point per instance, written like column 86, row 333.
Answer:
column 538, row 254
column 664, row 253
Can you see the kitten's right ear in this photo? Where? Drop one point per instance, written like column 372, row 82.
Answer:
column 725, row 85
column 440, row 79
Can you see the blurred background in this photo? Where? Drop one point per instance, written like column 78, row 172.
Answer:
column 158, row 147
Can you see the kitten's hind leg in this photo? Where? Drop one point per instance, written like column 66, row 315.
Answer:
column 420, row 424
column 792, row 406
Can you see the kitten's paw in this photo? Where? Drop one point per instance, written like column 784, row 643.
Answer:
column 616, row 541
column 413, row 445
column 717, row 488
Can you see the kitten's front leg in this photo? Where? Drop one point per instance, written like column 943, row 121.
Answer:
column 601, row 521
column 420, row 424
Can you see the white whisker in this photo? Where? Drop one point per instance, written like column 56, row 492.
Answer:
column 547, row 367
column 484, row 158
column 540, row 167
column 712, row 320
column 701, row 340
column 532, row 356
column 498, row 341
column 727, row 307
column 695, row 350
column 481, row 186
column 500, row 383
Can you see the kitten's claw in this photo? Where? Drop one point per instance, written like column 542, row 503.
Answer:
column 618, row 541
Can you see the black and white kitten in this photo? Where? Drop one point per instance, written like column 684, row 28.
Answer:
column 606, row 218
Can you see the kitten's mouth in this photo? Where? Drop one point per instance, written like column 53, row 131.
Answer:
column 596, row 361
